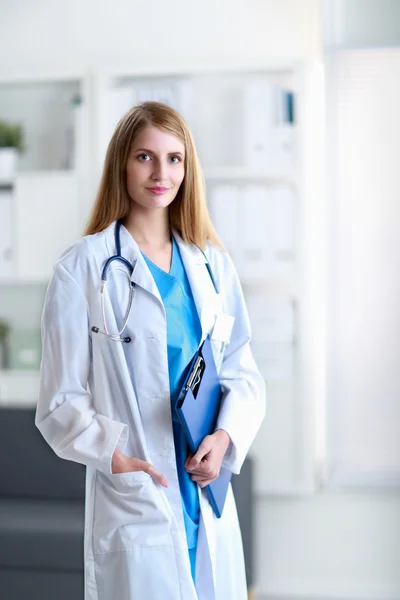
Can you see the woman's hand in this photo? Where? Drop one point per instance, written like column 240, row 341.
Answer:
column 205, row 465
column 128, row 464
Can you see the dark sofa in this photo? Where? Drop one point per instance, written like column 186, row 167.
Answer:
column 42, row 514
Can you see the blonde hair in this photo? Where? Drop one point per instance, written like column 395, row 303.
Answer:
column 188, row 212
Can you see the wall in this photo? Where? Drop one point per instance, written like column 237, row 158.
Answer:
column 78, row 34
column 333, row 544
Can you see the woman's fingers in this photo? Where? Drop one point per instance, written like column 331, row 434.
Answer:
column 199, row 479
column 141, row 465
column 202, row 451
column 204, row 470
column 156, row 475
column 187, row 461
column 202, row 479
column 202, row 482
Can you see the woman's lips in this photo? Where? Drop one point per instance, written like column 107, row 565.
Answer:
column 158, row 190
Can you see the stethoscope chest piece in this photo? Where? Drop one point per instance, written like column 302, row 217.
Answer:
column 125, row 339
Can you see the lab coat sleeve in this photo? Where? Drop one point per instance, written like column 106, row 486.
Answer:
column 65, row 415
column 243, row 406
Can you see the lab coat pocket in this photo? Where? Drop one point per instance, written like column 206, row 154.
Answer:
column 129, row 478
column 143, row 573
column 128, row 513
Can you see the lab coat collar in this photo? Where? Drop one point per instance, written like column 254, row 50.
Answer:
column 130, row 250
column 204, row 294
column 191, row 251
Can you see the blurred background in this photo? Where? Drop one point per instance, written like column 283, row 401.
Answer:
column 294, row 106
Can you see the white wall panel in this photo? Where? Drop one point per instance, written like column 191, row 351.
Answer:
column 364, row 327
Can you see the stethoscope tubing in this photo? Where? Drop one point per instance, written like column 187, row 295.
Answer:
column 116, row 337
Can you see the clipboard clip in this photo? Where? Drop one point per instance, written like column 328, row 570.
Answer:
column 196, row 374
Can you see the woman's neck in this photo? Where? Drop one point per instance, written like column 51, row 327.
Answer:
column 149, row 227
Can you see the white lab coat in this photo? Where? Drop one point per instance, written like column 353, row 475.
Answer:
column 97, row 395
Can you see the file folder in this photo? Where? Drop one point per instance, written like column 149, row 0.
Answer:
column 197, row 408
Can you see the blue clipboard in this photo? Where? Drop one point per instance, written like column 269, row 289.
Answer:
column 197, row 408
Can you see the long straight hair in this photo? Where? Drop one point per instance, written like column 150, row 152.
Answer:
column 188, row 212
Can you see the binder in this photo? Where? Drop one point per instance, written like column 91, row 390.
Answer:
column 227, row 200
column 197, row 408
column 254, row 220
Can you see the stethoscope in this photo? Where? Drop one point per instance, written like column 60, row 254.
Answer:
column 116, row 337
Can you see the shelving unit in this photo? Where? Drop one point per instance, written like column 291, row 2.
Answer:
column 215, row 103
column 237, row 149
column 46, row 198
column 42, row 209
column 53, row 110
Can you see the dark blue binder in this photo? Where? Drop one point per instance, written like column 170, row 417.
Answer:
column 197, row 408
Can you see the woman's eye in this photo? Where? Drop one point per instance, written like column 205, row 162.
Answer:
column 143, row 157
column 175, row 159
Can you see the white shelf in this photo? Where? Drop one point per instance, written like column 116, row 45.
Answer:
column 21, row 281
column 243, row 174
column 206, row 67
column 285, row 491
column 270, row 286
column 7, row 184
column 48, row 173
column 38, row 77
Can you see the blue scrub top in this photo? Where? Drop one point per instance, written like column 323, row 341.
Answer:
column 183, row 339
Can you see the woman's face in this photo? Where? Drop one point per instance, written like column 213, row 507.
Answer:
column 155, row 168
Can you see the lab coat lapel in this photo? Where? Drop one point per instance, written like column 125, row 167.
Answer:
column 141, row 274
column 205, row 297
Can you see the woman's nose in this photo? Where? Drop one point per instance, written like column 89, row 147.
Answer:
column 159, row 171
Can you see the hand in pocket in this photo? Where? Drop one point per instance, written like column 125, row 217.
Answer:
column 128, row 464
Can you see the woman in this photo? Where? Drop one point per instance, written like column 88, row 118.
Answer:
column 108, row 401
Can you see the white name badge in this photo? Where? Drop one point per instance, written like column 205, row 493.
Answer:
column 222, row 329
column 211, row 308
